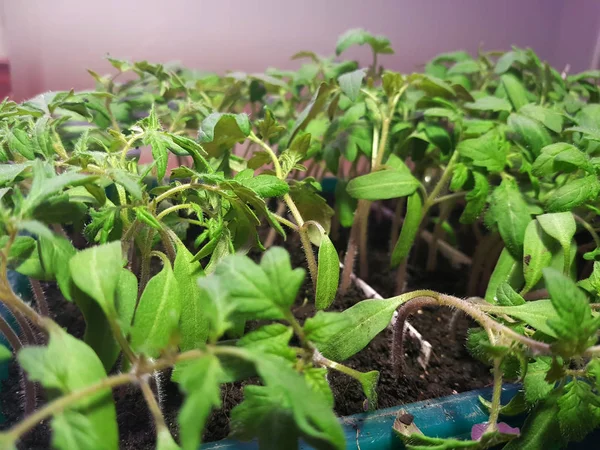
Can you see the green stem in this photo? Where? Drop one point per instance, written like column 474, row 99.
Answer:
column 126, row 148
column 111, row 114
column 157, row 415
column 299, row 331
column 589, row 228
column 121, row 340
column 269, row 150
column 162, row 256
column 452, row 196
column 385, row 127
column 497, row 393
column 61, row 403
column 441, row 184
column 320, row 360
column 145, row 250
column 285, row 222
column 173, row 208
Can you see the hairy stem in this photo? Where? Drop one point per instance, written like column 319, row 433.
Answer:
column 349, row 257
column 168, row 244
column 157, row 415
column 171, row 209
column 497, row 392
column 363, row 236
column 399, row 330
column 40, row 297
column 320, row 360
column 29, row 388
column 61, row 403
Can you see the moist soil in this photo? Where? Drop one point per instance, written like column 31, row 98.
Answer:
column 451, row 369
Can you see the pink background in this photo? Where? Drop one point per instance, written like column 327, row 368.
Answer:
column 50, row 43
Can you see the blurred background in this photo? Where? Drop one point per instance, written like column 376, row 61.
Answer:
column 49, row 44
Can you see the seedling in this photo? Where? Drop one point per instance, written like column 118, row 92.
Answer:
column 507, row 135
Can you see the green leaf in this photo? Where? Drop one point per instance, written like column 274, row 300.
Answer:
column 488, row 151
column 261, row 292
column 541, row 429
column 160, row 152
column 20, row 142
column 551, row 119
column 285, row 410
column 536, row 386
column 200, row 381
column 328, row 273
column 219, row 132
column 573, row 194
column 544, row 164
column 536, row 314
column 266, row 415
column 578, row 411
column 517, row 94
column 267, row 185
column 410, row 228
column 44, row 186
column 350, row 83
column 316, row 380
column 312, row 207
column 476, row 199
column 382, row 185
column 68, row 365
column 157, row 314
column 358, row 36
column 537, row 253
column 218, row 307
column 314, row 107
column 508, row 59
column 96, row 272
column 432, row 86
column 273, row 339
column 572, row 159
column 71, row 429
column 560, row 226
column 575, row 327
column 507, row 296
column 445, row 113
column 55, row 254
column 508, row 269
column 515, row 407
column 269, row 127
column 368, row 381
column 489, row 103
column 467, row 66
column 193, row 322
column 324, row 325
column 509, row 211
column 365, row 320
column 8, row 172
column 533, row 135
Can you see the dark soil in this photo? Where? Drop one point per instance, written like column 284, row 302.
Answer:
column 451, row 369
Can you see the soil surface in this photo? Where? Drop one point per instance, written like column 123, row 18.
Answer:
column 450, row 370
